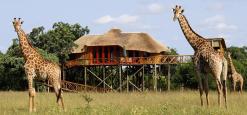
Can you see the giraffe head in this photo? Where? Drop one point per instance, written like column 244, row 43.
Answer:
column 17, row 24
column 178, row 11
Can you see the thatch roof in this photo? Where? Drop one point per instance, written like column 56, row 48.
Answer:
column 129, row 41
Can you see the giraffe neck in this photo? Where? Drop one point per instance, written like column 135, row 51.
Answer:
column 232, row 68
column 192, row 37
column 27, row 50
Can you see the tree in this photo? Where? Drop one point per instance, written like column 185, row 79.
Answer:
column 59, row 40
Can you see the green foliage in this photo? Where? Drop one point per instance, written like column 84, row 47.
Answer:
column 48, row 56
column 59, row 40
column 12, row 73
column 173, row 51
column 184, row 77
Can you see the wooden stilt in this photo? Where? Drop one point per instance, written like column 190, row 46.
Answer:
column 155, row 78
column 127, row 79
column 120, row 77
column 85, row 78
column 143, row 80
column 169, row 77
column 104, row 75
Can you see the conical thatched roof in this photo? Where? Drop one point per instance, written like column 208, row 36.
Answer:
column 129, row 41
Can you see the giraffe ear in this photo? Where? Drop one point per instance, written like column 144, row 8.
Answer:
column 173, row 9
column 22, row 22
column 182, row 10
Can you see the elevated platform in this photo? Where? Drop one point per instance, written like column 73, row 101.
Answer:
column 164, row 59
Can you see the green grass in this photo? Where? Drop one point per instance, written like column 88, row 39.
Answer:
column 147, row 103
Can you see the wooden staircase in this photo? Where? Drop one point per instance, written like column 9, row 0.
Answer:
column 76, row 87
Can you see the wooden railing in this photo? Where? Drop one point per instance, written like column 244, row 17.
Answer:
column 75, row 87
column 80, row 87
column 164, row 59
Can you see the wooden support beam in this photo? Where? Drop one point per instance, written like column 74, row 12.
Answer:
column 127, row 79
column 155, row 78
column 143, row 80
column 99, row 78
column 120, row 77
column 104, row 75
column 85, row 78
column 103, row 81
column 169, row 77
column 135, row 86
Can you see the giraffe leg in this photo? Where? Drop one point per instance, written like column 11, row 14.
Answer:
column 224, row 77
column 219, row 89
column 30, row 75
column 225, row 92
column 241, row 87
column 200, row 85
column 33, row 100
column 206, row 89
column 234, row 86
column 59, row 95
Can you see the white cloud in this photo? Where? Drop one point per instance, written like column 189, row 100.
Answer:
column 123, row 19
column 104, row 19
column 126, row 19
column 224, row 26
column 218, row 23
column 155, row 8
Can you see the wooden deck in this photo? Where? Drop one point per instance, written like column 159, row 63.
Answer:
column 165, row 59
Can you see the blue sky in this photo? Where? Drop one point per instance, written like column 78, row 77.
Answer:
column 209, row 18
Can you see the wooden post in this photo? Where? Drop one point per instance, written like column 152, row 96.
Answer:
column 155, row 78
column 127, row 81
column 85, row 78
column 120, row 77
column 104, row 75
column 169, row 77
column 143, row 75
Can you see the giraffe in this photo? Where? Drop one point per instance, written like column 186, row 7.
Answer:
column 206, row 60
column 37, row 67
column 233, row 75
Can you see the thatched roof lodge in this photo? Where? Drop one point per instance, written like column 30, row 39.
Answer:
column 115, row 37
column 114, row 46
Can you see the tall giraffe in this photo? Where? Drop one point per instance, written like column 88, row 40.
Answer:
column 37, row 67
column 233, row 75
column 206, row 59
